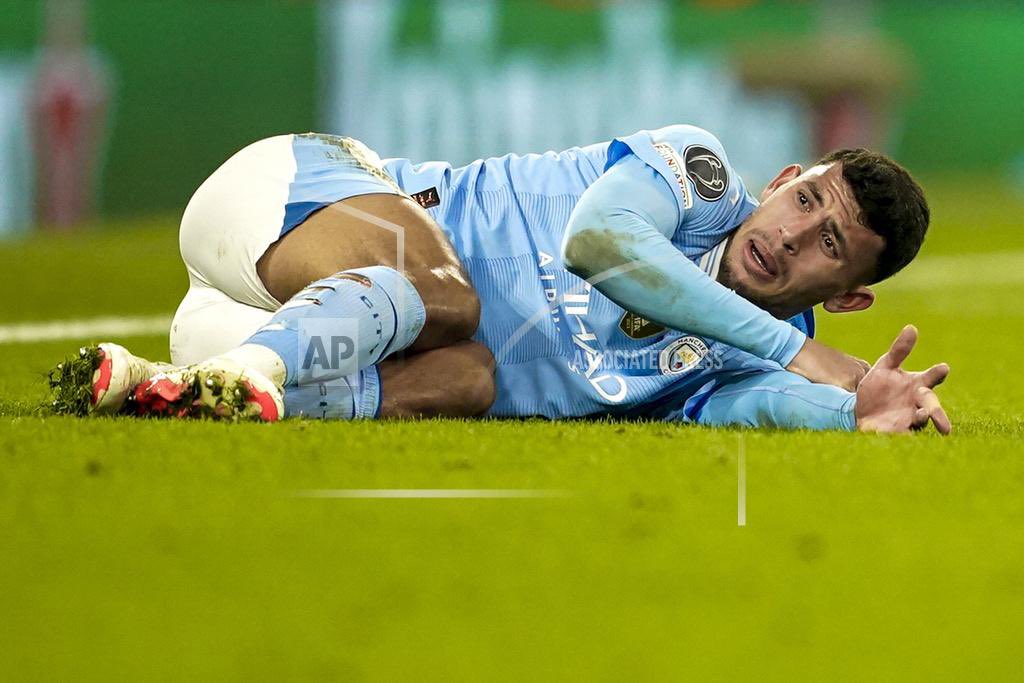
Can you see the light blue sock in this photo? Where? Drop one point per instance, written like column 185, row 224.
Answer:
column 339, row 325
column 348, row 398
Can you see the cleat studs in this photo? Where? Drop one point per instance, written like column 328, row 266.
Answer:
column 215, row 384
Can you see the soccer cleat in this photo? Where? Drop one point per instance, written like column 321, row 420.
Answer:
column 219, row 389
column 100, row 380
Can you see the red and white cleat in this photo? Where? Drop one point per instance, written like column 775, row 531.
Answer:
column 100, row 380
column 219, row 389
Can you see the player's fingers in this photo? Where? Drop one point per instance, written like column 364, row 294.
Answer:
column 928, row 401
column 935, row 375
column 900, row 348
column 920, row 420
column 941, row 421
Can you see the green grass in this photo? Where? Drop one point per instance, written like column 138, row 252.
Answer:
column 144, row 549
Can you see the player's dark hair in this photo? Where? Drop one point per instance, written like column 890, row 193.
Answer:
column 891, row 203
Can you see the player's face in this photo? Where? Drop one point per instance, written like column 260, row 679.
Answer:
column 804, row 245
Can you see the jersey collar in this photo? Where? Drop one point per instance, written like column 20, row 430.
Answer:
column 711, row 261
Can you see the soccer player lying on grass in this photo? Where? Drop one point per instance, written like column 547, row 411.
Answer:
column 422, row 289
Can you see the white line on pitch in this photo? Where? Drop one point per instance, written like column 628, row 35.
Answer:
column 741, row 485
column 930, row 272
column 431, row 493
column 112, row 326
column 962, row 270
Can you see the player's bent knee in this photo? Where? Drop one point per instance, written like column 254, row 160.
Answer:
column 209, row 322
column 453, row 311
column 471, row 305
column 479, row 389
column 481, row 356
column 462, row 311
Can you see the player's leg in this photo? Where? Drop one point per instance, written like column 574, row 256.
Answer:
column 453, row 381
column 254, row 198
column 229, row 222
column 386, row 280
column 363, row 271
column 385, row 230
column 208, row 323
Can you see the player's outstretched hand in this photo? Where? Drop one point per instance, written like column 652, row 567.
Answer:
column 890, row 399
column 824, row 365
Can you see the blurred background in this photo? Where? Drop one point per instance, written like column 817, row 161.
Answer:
column 118, row 109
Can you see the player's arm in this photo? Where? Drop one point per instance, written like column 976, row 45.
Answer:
column 618, row 240
column 778, row 399
column 889, row 399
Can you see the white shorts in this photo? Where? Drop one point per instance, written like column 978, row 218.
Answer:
column 250, row 202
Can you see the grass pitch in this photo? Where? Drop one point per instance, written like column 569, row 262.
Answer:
column 169, row 550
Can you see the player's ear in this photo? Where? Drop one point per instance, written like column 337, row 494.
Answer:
column 854, row 300
column 783, row 177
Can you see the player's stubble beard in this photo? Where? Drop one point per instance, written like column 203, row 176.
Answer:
column 727, row 278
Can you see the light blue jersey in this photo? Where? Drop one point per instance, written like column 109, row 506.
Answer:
column 681, row 348
column 562, row 347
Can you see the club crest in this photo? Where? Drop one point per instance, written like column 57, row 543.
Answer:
column 681, row 355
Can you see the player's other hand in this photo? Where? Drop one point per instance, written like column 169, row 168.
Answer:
column 890, row 399
column 824, row 365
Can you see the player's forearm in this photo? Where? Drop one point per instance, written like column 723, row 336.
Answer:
column 780, row 399
column 636, row 266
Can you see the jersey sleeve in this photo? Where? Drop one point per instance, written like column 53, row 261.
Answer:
column 757, row 394
column 617, row 240
column 708, row 193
